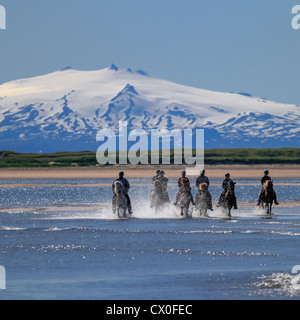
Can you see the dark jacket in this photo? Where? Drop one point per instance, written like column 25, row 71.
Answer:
column 202, row 179
column 184, row 182
column 264, row 179
column 225, row 184
column 124, row 182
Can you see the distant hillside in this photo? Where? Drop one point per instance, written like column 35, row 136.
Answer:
column 64, row 110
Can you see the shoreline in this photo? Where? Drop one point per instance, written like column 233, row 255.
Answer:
column 246, row 172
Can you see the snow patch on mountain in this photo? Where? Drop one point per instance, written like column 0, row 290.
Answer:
column 64, row 110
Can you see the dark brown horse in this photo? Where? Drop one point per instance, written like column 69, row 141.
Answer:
column 227, row 198
column 268, row 197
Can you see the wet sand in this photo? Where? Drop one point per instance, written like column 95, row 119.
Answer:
column 213, row 172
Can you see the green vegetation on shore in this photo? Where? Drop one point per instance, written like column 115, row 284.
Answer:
column 10, row 159
column 252, row 156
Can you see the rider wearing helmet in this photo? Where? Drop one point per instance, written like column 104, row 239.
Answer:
column 164, row 186
column 160, row 183
column 184, row 182
column 202, row 179
column 202, row 184
column 157, row 176
column 126, row 185
column 265, row 178
column 225, row 183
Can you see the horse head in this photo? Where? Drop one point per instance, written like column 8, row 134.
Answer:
column 268, row 185
column 118, row 187
column 183, row 182
column 203, row 186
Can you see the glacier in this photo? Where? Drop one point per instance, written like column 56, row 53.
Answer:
column 64, row 110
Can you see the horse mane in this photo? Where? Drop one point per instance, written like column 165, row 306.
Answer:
column 183, row 187
column 118, row 186
column 268, row 184
column 183, row 180
column 203, row 186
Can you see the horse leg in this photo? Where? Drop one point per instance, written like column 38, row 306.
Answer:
column 268, row 208
column 114, row 204
column 229, row 212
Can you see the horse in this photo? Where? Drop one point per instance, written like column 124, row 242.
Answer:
column 120, row 202
column 227, row 198
column 203, row 200
column 184, row 201
column 159, row 196
column 268, row 197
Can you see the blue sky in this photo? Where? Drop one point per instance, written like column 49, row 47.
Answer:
column 232, row 45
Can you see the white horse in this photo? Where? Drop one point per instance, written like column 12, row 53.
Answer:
column 184, row 201
column 203, row 200
column 159, row 196
column 120, row 203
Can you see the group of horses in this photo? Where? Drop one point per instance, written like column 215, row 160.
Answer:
column 203, row 202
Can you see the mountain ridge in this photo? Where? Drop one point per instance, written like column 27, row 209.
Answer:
column 63, row 110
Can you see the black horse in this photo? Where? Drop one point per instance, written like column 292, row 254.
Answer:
column 268, row 197
column 228, row 199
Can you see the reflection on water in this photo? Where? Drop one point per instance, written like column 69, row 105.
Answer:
column 68, row 245
column 62, row 192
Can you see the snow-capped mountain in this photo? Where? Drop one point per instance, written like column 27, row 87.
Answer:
column 63, row 111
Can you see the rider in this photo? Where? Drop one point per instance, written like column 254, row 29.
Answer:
column 126, row 185
column 202, row 179
column 225, row 183
column 160, row 186
column 157, row 176
column 156, row 183
column 184, row 182
column 265, row 178
column 164, row 186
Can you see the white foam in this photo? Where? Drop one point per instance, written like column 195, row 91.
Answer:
column 11, row 229
column 143, row 211
column 280, row 283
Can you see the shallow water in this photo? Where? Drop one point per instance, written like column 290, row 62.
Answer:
column 62, row 242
